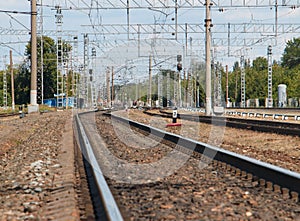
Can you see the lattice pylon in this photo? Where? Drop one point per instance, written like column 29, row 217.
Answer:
column 40, row 69
column 92, row 79
column 59, row 57
column 75, row 74
column 270, row 95
column 243, row 82
column 4, row 84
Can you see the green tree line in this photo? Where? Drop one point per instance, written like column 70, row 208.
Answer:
column 286, row 71
column 22, row 73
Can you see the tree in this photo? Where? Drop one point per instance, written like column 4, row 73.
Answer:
column 22, row 84
column 260, row 63
column 291, row 54
column 49, row 64
column 23, row 76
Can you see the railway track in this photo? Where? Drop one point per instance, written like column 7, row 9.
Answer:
column 284, row 128
column 135, row 189
column 4, row 115
column 105, row 207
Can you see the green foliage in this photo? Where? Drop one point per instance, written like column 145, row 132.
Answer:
column 257, row 80
column 22, row 85
column 291, row 54
column 23, row 74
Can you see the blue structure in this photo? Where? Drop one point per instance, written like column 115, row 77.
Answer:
column 52, row 102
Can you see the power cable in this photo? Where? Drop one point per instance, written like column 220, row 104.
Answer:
column 15, row 12
column 17, row 21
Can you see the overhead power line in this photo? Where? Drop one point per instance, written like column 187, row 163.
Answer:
column 15, row 12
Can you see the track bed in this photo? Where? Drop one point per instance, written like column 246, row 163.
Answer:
column 191, row 192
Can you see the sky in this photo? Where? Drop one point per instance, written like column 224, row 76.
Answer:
column 108, row 47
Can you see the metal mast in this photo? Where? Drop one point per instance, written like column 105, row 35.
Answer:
column 159, row 89
column 270, row 97
column 4, row 84
column 243, row 85
column 66, row 56
column 112, row 87
column 92, row 79
column 150, row 82
column 175, row 87
column 85, row 68
column 168, row 89
column 40, row 68
column 208, row 26
column 12, row 81
column 75, row 74
column 59, row 59
column 185, row 4
column 108, row 88
column 219, row 87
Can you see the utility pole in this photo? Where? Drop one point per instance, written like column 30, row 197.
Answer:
column 208, row 26
column 33, row 107
column 12, row 81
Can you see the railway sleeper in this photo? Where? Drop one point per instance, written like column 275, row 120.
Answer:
column 256, row 181
column 267, row 184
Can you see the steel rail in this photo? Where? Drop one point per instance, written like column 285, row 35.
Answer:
column 111, row 208
column 8, row 115
column 284, row 128
column 270, row 173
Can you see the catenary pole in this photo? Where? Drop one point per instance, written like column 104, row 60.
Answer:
column 208, row 25
column 33, row 85
column 12, row 81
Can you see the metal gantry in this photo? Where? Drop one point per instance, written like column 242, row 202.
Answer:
column 180, row 4
column 165, row 30
column 19, row 32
